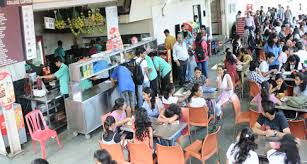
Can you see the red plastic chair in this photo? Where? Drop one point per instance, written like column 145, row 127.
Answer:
column 240, row 117
column 140, row 153
column 185, row 118
column 165, row 154
column 115, row 151
column 199, row 117
column 297, row 128
column 254, row 88
column 253, row 117
column 38, row 132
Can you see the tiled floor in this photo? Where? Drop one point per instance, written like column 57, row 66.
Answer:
column 80, row 150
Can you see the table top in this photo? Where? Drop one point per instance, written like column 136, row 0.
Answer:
column 165, row 131
column 52, row 95
column 263, row 147
column 212, row 95
column 284, row 106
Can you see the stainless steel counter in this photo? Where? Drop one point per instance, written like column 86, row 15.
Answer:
column 85, row 116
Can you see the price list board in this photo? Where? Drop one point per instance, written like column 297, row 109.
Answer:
column 11, row 39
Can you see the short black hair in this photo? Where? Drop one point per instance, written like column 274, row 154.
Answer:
column 39, row 161
column 299, row 45
column 253, row 66
column 139, row 51
column 197, row 69
column 166, row 31
column 153, row 53
column 285, row 48
column 269, row 55
column 172, row 110
column 291, row 58
column 279, row 76
column 58, row 59
column 203, row 26
column 268, row 107
column 98, row 39
column 60, row 43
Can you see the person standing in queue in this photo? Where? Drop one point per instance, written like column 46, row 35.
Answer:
column 180, row 55
column 62, row 75
column 59, row 52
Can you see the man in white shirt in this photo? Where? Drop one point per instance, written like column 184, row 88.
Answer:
column 180, row 56
column 264, row 65
column 140, row 60
column 301, row 53
column 249, row 21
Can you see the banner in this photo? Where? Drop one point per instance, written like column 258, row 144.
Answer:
column 114, row 42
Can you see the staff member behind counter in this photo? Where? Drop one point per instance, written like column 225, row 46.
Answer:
column 62, row 75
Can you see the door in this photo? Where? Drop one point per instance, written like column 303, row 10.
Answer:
column 216, row 17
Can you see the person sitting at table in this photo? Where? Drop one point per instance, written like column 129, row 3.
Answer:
column 230, row 64
column 120, row 111
column 223, row 83
column 292, row 63
column 287, row 153
column 152, row 104
column 254, row 74
column 274, row 123
column 143, row 132
column 171, row 115
column 279, row 86
column 243, row 151
column 196, row 99
column 197, row 78
column 264, row 65
column 300, row 85
column 169, row 98
column 110, row 134
column 246, row 59
column 264, row 95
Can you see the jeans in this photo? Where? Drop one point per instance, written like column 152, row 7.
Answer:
column 140, row 92
column 190, row 68
column 182, row 69
column 204, row 67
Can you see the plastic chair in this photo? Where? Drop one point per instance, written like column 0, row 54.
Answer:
column 254, row 88
column 40, row 132
column 204, row 150
column 253, row 117
column 115, row 151
column 169, row 154
column 199, row 117
column 240, row 117
column 297, row 128
column 185, row 118
column 140, row 153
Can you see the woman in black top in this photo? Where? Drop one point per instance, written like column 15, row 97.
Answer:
column 278, row 86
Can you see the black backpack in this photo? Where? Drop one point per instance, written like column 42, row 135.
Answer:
column 199, row 51
column 137, row 73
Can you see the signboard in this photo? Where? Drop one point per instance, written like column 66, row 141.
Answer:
column 7, row 96
column 49, row 23
column 19, row 121
column 114, row 39
column 29, row 32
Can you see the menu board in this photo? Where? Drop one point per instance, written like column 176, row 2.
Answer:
column 29, row 32
column 11, row 40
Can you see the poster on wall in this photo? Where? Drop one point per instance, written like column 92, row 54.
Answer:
column 29, row 32
column 114, row 39
column 7, row 96
column 11, row 46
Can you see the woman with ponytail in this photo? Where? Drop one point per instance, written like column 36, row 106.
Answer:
column 243, row 151
column 120, row 111
column 110, row 134
column 169, row 98
column 196, row 99
column 152, row 104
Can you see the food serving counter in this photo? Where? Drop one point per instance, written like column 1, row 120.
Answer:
column 85, row 116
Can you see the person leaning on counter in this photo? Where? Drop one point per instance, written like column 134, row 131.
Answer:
column 62, row 75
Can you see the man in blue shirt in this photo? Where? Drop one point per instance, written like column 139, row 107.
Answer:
column 126, row 87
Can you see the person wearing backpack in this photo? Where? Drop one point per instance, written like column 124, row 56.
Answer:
column 201, row 54
column 141, row 73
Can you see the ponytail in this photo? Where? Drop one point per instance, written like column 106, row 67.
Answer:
column 168, row 91
column 195, row 89
column 119, row 102
column 110, row 120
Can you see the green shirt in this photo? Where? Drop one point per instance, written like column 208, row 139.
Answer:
column 60, row 52
column 63, row 75
column 86, row 84
column 162, row 66
column 150, row 65
column 28, row 67
column 98, row 48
